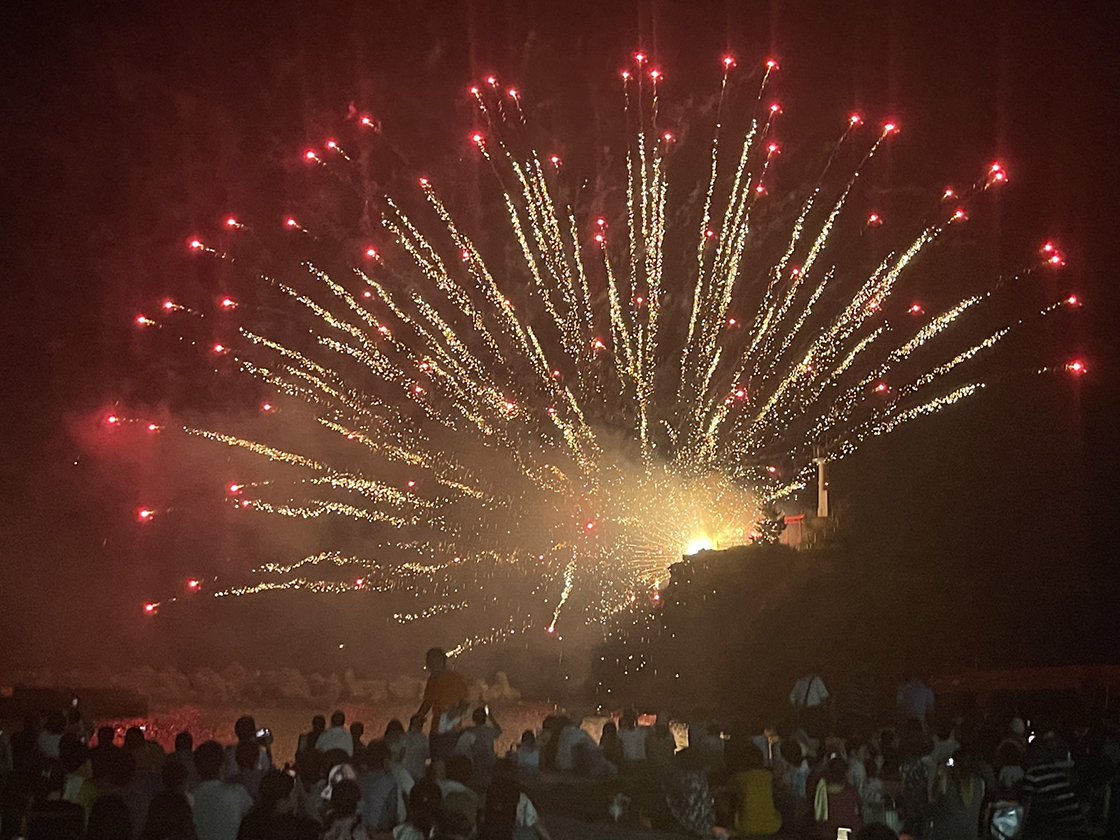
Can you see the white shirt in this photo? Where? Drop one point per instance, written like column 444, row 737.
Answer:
column 405, row 783
column 857, row 775
column 942, row 750
column 48, row 743
column 219, row 807
column 229, row 764
column 414, row 748
column 527, row 816
column 569, row 737
column 809, row 691
column 633, row 743
column 1010, row 775
column 528, row 759
column 872, row 792
column 336, row 738
column 447, row 786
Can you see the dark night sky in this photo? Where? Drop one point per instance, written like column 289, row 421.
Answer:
column 128, row 125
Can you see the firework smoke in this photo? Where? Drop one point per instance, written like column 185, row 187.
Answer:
column 571, row 410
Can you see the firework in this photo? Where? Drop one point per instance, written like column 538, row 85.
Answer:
column 574, row 417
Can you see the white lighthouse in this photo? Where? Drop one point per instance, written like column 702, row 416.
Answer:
column 821, row 460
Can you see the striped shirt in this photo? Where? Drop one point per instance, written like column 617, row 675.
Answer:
column 1048, row 789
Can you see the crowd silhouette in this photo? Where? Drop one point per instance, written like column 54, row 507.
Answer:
column 817, row 770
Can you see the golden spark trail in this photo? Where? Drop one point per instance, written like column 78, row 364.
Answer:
column 535, row 403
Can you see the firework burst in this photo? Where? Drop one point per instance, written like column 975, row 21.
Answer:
column 600, row 392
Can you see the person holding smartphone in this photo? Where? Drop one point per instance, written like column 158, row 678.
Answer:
column 477, row 744
column 958, row 793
